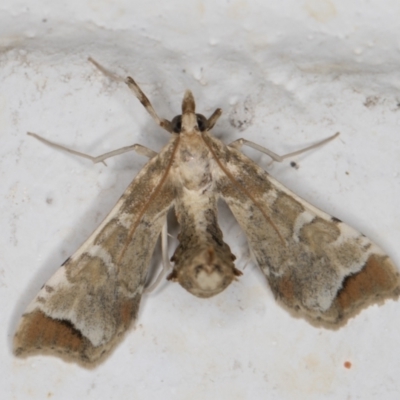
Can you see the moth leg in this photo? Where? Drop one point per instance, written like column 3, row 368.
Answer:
column 144, row 151
column 237, row 144
column 166, row 267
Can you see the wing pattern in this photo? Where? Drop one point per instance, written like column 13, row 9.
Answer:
column 316, row 265
column 84, row 309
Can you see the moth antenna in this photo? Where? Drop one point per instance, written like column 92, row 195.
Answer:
column 105, row 71
column 163, row 123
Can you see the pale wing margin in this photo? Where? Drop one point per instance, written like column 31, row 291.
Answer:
column 84, row 309
column 317, row 266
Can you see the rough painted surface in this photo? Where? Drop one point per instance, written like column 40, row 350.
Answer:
column 285, row 75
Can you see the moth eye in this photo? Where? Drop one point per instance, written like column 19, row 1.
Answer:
column 177, row 124
column 201, row 122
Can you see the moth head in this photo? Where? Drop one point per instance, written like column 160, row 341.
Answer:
column 204, row 275
column 189, row 121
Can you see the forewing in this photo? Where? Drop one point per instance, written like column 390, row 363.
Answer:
column 84, row 309
column 316, row 265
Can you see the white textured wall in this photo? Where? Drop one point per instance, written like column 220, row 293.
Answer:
column 286, row 74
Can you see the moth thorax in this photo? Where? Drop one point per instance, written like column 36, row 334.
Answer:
column 205, row 274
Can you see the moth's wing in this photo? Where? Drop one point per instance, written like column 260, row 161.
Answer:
column 316, row 265
column 84, row 309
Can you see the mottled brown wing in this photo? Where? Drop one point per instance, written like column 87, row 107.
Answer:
column 85, row 308
column 316, row 265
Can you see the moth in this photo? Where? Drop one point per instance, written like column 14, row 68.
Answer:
column 317, row 267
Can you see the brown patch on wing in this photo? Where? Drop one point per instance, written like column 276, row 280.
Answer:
column 93, row 271
column 40, row 334
column 286, row 210
column 128, row 311
column 319, row 233
column 285, row 288
column 377, row 280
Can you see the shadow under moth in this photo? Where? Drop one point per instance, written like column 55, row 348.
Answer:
column 318, row 267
